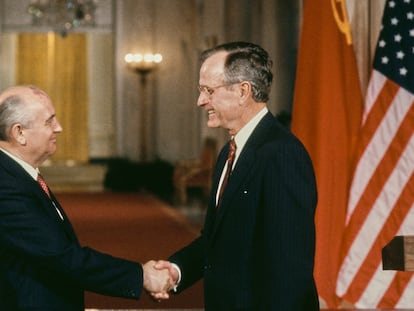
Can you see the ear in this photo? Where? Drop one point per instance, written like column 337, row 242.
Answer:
column 245, row 89
column 17, row 134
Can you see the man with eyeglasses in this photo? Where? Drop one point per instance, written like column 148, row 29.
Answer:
column 256, row 250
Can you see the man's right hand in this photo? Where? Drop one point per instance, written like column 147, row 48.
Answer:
column 157, row 281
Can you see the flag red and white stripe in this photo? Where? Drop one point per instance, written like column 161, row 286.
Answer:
column 381, row 202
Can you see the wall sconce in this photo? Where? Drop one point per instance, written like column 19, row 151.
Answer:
column 142, row 64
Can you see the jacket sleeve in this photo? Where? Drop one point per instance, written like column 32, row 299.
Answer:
column 33, row 239
column 190, row 260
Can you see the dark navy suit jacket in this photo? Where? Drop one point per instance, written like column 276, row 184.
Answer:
column 42, row 265
column 256, row 251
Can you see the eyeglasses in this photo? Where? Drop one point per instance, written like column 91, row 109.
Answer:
column 209, row 90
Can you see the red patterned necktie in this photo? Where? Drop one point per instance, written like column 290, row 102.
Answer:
column 230, row 161
column 45, row 188
column 42, row 184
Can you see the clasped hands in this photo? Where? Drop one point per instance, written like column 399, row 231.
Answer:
column 160, row 277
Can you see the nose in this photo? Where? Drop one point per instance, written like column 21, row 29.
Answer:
column 58, row 128
column 202, row 100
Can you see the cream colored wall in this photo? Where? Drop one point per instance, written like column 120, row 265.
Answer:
column 179, row 29
column 7, row 56
column 365, row 17
column 272, row 24
column 101, row 125
column 171, row 120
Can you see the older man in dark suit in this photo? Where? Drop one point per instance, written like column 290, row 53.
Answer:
column 256, row 250
column 42, row 265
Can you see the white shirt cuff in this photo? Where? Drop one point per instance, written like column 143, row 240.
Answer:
column 179, row 276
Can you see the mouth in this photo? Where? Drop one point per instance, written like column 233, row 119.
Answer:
column 210, row 112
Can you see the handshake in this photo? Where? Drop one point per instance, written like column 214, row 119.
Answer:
column 160, row 277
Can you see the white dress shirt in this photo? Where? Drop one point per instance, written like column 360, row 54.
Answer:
column 241, row 138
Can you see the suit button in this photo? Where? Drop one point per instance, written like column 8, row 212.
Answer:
column 131, row 293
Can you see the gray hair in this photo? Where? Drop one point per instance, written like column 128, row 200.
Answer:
column 246, row 62
column 13, row 110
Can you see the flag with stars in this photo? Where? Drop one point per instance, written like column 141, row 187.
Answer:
column 381, row 202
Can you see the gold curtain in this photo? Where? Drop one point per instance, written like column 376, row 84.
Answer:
column 59, row 66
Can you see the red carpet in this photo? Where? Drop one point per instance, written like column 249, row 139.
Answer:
column 135, row 226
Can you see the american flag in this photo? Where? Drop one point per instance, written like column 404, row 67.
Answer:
column 381, row 202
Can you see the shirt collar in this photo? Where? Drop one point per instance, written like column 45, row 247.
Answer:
column 243, row 135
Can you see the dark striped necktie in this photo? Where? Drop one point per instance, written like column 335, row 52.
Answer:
column 230, row 161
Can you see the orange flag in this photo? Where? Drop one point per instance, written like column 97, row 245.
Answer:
column 326, row 117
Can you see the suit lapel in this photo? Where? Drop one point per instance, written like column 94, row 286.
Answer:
column 243, row 166
column 25, row 179
column 66, row 223
column 212, row 210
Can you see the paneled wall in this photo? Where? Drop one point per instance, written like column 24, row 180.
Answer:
column 365, row 17
column 180, row 30
column 100, row 129
column 170, row 122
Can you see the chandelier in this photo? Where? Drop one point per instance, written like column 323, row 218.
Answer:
column 62, row 15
